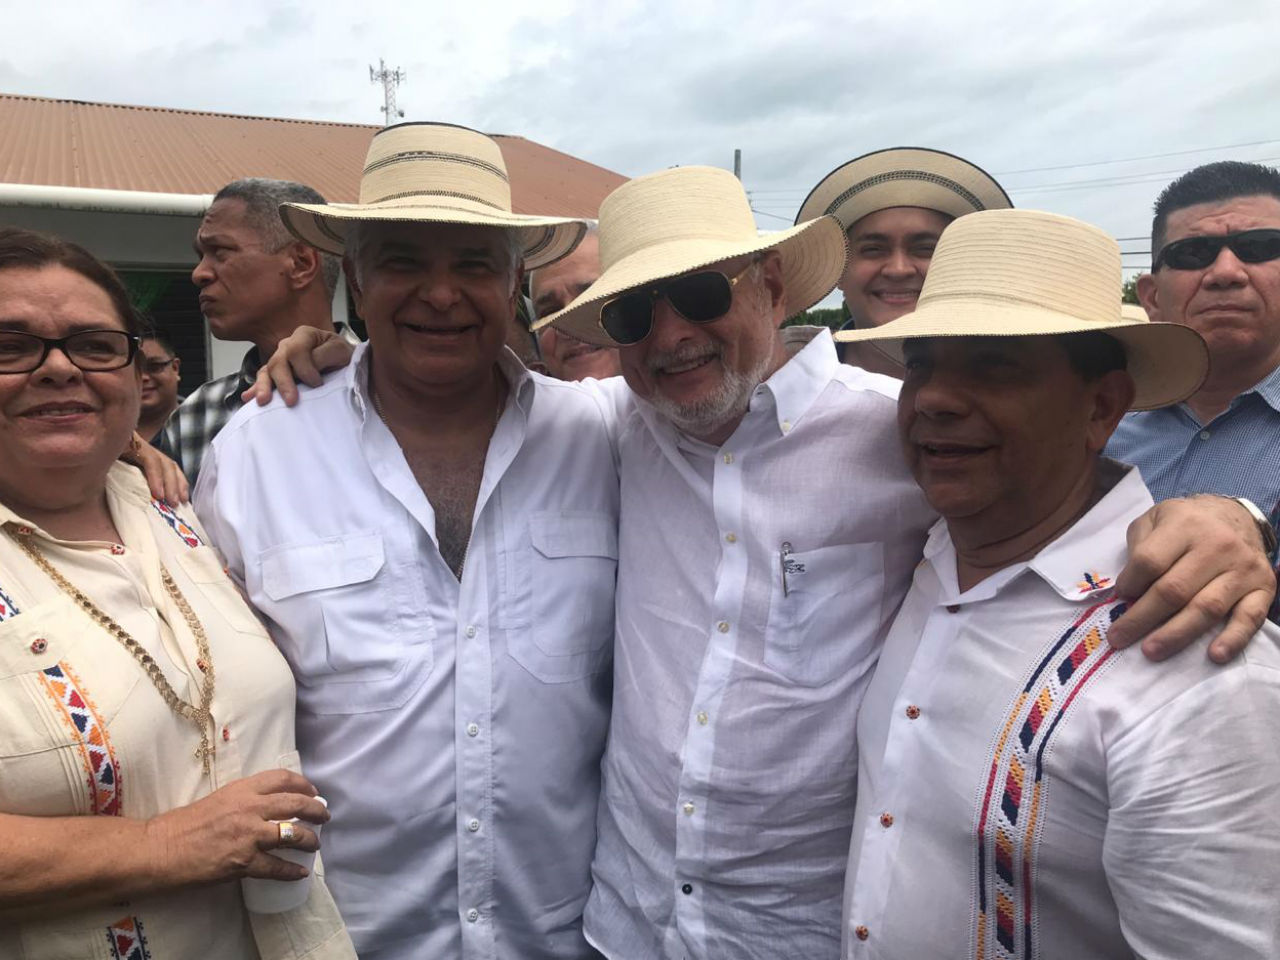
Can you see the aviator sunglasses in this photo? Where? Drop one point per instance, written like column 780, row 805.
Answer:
column 1196, row 253
column 698, row 297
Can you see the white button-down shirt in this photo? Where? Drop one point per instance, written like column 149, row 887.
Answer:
column 1026, row 791
column 455, row 728
column 757, row 582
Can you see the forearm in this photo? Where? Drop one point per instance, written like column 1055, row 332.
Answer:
column 82, row 861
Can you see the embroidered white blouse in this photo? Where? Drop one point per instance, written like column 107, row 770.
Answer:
column 83, row 732
column 455, row 728
column 1026, row 791
column 729, row 778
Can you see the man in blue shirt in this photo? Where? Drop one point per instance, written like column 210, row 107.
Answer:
column 1215, row 243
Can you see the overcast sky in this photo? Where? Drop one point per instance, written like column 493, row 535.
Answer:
column 800, row 87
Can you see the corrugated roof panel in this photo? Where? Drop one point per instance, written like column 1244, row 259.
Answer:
column 73, row 143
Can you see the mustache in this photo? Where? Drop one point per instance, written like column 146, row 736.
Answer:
column 690, row 353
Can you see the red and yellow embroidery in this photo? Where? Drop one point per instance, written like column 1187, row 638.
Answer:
column 96, row 753
column 128, row 940
column 1092, row 582
column 1006, row 835
column 177, row 524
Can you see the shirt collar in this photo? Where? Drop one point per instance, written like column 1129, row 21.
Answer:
column 1269, row 389
column 355, row 377
column 800, row 381
column 249, row 368
column 1081, row 564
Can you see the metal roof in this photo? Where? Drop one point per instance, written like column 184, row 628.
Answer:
column 101, row 145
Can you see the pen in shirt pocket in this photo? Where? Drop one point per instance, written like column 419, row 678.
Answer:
column 787, row 564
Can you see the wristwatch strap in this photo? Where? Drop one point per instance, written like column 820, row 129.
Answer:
column 1265, row 529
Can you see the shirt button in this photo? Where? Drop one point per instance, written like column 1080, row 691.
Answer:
column 728, row 458
column 786, row 426
column 1204, row 434
column 202, row 666
column 702, row 717
column 723, row 626
column 861, row 932
column 117, row 549
column 226, row 734
column 686, row 888
column 24, row 531
column 473, row 730
column 886, row 820
column 473, row 825
column 731, row 538
column 39, row 645
column 687, row 808
column 953, row 608
column 471, row 632
column 473, row 915
column 913, row 712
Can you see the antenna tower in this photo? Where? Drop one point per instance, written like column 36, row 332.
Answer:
column 390, row 79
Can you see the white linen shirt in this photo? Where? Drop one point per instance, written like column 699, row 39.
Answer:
column 1026, row 791
column 455, row 728
column 729, row 775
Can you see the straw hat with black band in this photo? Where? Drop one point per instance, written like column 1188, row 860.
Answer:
column 903, row 177
column 434, row 173
column 1015, row 273
column 665, row 224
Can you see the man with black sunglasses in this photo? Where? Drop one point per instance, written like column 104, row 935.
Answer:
column 1215, row 243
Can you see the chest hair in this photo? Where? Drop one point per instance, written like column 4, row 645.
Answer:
column 451, row 481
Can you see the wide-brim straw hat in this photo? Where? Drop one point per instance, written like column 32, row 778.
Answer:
column 434, row 173
column 903, row 177
column 659, row 226
column 1013, row 273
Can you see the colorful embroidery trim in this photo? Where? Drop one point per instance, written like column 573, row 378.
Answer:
column 128, row 940
column 177, row 524
column 96, row 754
column 1006, row 828
column 1093, row 581
column 7, row 607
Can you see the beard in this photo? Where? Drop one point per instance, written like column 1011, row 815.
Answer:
column 722, row 405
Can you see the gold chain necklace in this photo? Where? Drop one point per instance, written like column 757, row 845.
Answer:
column 201, row 716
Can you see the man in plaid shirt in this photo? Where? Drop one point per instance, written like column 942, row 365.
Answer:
column 257, row 283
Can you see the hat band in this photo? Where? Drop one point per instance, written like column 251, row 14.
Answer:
column 922, row 176
column 411, row 155
column 437, row 193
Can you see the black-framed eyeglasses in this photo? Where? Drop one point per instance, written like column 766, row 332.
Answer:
column 1196, row 253
column 154, row 366
column 698, row 297
column 91, row 350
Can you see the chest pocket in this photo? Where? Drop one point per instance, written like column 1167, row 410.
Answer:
column 571, row 567
column 202, row 567
column 58, row 696
column 809, row 638
column 354, row 642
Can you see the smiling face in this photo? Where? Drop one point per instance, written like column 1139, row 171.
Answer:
column 997, row 430
column 159, row 379
column 889, row 254
column 1234, row 305
column 58, row 416
column 437, row 299
column 553, row 289
column 701, row 375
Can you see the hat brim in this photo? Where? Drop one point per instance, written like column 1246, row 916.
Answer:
column 324, row 225
column 1168, row 361
column 903, row 177
column 813, row 258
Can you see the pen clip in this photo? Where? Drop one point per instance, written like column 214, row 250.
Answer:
column 783, row 554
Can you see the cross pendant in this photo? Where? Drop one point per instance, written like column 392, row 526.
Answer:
column 205, row 751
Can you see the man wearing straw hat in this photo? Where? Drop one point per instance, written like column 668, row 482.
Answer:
column 432, row 538
column 754, row 590
column 894, row 204
column 1024, row 789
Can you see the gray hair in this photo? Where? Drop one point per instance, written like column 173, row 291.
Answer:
column 262, row 198
column 593, row 228
column 360, row 233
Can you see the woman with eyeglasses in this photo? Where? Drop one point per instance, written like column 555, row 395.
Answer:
column 147, row 758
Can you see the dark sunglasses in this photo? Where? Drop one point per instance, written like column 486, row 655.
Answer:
column 698, row 297
column 1196, row 253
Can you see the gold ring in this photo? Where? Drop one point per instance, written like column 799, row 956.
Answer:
column 287, row 833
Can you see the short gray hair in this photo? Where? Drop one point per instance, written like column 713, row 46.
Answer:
column 359, row 233
column 262, row 198
column 593, row 228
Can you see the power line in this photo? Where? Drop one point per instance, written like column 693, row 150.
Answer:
column 1150, row 156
